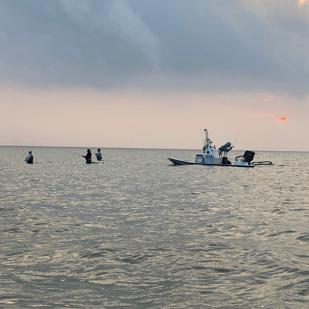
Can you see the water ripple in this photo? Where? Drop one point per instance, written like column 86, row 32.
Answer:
column 140, row 233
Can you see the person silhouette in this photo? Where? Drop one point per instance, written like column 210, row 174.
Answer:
column 29, row 158
column 99, row 155
column 88, row 157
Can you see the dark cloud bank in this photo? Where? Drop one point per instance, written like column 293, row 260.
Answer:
column 218, row 45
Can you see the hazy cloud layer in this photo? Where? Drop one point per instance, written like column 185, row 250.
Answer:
column 257, row 45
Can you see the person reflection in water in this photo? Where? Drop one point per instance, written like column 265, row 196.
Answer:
column 29, row 158
column 88, row 157
column 99, row 155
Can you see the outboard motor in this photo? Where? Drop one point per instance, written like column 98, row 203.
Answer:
column 248, row 156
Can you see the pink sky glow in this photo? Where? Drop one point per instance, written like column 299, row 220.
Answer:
column 135, row 119
column 155, row 74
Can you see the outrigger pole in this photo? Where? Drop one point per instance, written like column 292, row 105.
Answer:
column 21, row 146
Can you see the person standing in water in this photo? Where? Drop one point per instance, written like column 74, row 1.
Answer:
column 29, row 159
column 99, row 155
column 88, row 157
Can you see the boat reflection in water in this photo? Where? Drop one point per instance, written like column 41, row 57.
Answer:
column 210, row 157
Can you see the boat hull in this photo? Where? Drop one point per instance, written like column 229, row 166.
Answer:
column 181, row 162
column 184, row 162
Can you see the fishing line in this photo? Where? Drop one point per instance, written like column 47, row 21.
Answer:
column 21, row 146
column 73, row 153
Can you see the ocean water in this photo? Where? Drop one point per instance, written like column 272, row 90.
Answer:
column 138, row 232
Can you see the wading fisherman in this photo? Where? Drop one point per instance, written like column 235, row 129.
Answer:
column 29, row 159
column 88, row 156
column 99, row 155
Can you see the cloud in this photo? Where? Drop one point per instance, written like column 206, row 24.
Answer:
column 302, row 2
column 117, row 20
column 212, row 46
column 266, row 98
column 282, row 119
column 132, row 28
column 265, row 115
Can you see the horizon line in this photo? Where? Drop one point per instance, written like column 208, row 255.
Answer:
column 142, row 148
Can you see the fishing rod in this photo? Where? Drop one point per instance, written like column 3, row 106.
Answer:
column 236, row 136
column 21, row 146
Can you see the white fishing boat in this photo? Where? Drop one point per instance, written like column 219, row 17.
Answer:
column 210, row 157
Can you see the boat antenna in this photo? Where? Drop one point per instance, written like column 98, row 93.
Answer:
column 202, row 135
column 21, row 146
column 207, row 140
column 236, row 137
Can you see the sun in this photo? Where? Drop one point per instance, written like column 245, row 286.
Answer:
column 301, row 2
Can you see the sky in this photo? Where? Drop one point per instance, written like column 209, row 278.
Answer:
column 155, row 73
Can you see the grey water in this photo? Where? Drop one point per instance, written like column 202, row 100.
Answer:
column 138, row 232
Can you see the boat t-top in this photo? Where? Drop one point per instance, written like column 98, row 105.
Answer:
column 210, row 157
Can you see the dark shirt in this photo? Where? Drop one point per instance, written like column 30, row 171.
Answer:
column 99, row 156
column 29, row 159
column 88, row 157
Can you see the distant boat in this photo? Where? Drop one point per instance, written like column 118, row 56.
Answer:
column 209, row 156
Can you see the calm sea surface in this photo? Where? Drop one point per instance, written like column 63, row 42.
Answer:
column 138, row 232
